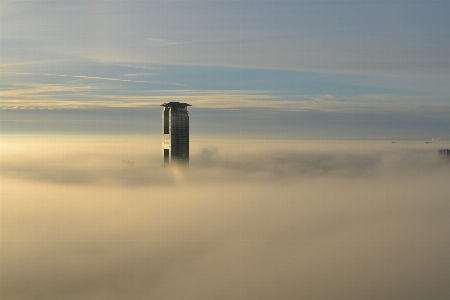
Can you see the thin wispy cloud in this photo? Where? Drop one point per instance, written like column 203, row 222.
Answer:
column 338, row 38
column 42, row 62
column 76, row 76
column 40, row 96
column 158, row 42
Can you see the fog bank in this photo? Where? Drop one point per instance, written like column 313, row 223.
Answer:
column 96, row 219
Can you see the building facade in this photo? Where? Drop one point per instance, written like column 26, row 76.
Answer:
column 444, row 154
column 175, row 128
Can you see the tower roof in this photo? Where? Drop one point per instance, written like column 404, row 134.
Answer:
column 175, row 104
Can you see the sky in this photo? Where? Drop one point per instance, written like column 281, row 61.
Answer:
column 314, row 133
column 263, row 69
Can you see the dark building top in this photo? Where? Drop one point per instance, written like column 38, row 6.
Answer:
column 175, row 104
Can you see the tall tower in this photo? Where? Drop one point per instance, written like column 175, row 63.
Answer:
column 175, row 127
column 444, row 154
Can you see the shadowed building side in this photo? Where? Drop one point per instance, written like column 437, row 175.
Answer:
column 444, row 154
column 175, row 127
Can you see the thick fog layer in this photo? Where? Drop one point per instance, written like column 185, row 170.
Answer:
column 102, row 219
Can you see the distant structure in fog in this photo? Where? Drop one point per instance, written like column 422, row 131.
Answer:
column 175, row 127
column 444, row 154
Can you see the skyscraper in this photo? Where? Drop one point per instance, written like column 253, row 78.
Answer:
column 175, row 127
column 444, row 154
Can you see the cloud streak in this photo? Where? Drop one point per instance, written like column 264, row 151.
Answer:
column 40, row 96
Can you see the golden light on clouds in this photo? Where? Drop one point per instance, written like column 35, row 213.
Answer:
column 97, row 218
column 49, row 96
